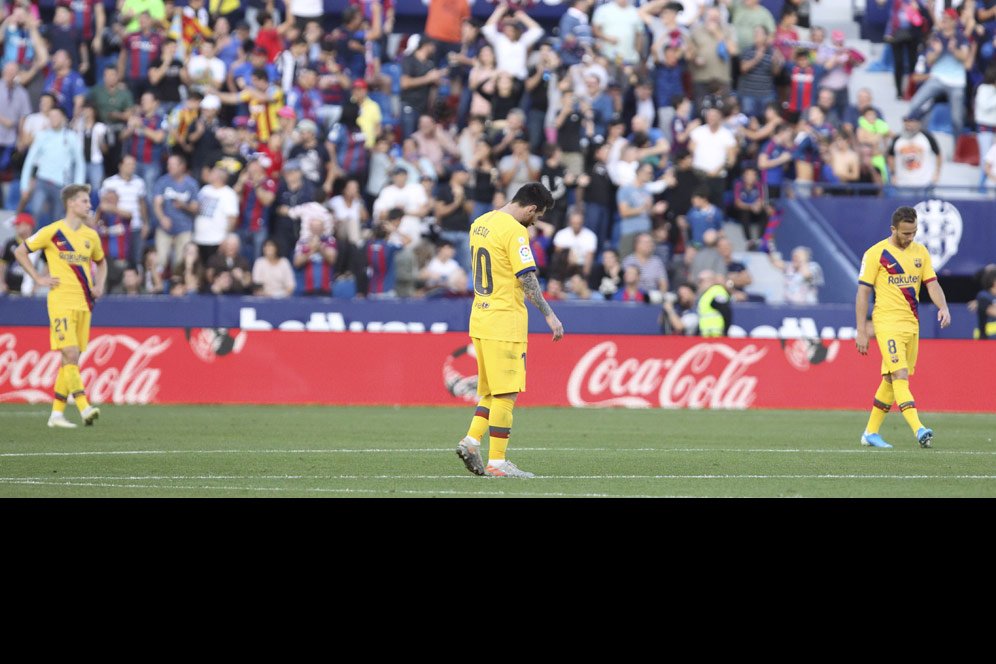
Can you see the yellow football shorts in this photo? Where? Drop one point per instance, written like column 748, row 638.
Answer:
column 501, row 366
column 899, row 349
column 68, row 327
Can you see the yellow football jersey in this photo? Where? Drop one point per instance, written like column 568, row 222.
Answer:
column 896, row 275
column 500, row 253
column 68, row 254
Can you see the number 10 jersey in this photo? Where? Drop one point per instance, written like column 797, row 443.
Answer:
column 500, row 254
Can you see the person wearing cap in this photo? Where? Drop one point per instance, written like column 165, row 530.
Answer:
column 11, row 273
column 369, row 117
column 205, row 148
column 948, row 56
column 312, row 155
column 57, row 154
column 293, row 190
column 914, row 157
column 511, row 44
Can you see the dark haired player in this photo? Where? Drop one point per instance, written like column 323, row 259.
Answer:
column 504, row 275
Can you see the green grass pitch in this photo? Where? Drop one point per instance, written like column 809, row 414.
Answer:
column 316, row 451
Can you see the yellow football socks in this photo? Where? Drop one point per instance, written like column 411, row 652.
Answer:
column 479, row 424
column 60, row 392
column 884, row 397
column 75, row 385
column 501, row 427
column 906, row 404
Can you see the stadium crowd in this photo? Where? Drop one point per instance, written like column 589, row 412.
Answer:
column 262, row 148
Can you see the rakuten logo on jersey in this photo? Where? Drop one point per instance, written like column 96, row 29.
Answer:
column 707, row 375
column 115, row 368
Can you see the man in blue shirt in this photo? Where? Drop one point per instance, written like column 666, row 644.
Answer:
column 575, row 32
column 702, row 217
column 66, row 83
column 57, row 153
column 948, row 56
column 174, row 201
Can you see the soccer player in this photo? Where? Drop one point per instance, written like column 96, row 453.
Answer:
column 504, row 274
column 895, row 268
column 70, row 248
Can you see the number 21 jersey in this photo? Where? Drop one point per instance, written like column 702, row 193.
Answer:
column 500, row 254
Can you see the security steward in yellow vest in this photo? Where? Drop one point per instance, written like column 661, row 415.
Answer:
column 715, row 312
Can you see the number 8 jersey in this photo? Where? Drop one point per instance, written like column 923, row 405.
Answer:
column 500, row 254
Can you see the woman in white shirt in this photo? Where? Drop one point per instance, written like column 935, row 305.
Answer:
column 350, row 213
column 95, row 145
column 985, row 118
column 272, row 273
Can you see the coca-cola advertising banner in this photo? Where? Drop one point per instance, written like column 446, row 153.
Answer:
column 229, row 366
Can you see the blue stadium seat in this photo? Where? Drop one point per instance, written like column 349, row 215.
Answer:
column 344, row 288
column 940, row 119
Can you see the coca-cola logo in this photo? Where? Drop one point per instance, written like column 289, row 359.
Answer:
column 115, row 369
column 707, row 375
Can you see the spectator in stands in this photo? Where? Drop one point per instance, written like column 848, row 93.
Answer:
column 985, row 306
column 293, row 190
column 837, row 73
column 113, row 224
column 481, row 81
column 139, row 50
column 151, row 273
column 989, row 166
column 174, row 202
column 66, row 83
column 12, row 275
column 190, row 272
column 145, row 139
column 908, row 21
column 57, row 154
column 305, row 97
column 606, row 275
column 678, row 312
column 803, row 276
column 443, row 23
column 618, row 31
column 985, row 116
column 712, row 46
column 443, row 272
column 313, row 156
column 205, row 70
column 96, row 143
column 750, row 204
column 519, row 167
column 804, row 80
column 844, row 160
column 133, row 204
column 369, row 117
column 272, row 274
column 630, row 291
column 511, row 44
column 23, row 45
column 914, row 157
column 14, row 107
column 653, row 274
column 634, row 203
column 435, row 144
column 948, row 55
column 575, row 31
column 131, row 282
column 574, row 246
column 703, row 216
column 738, row 277
column 411, row 199
column 759, row 63
column 418, row 77
column 812, row 133
column 315, row 256
column 380, row 252
column 706, row 257
column 218, row 213
column 714, row 150
column 228, row 271
column 453, row 216
column 257, row 192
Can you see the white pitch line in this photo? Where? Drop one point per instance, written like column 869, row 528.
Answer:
column 448, row 492
column 434, row 450
column 467, row 477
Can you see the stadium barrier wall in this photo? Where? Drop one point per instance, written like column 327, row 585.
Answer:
column 959, row 234
column 437, row 316
column 208, row 366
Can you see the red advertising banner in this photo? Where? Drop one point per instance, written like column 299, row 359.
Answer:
column 171, row 365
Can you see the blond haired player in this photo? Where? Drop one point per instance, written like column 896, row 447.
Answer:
column 504, row 275
column 71, row 248
column 895, row 268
